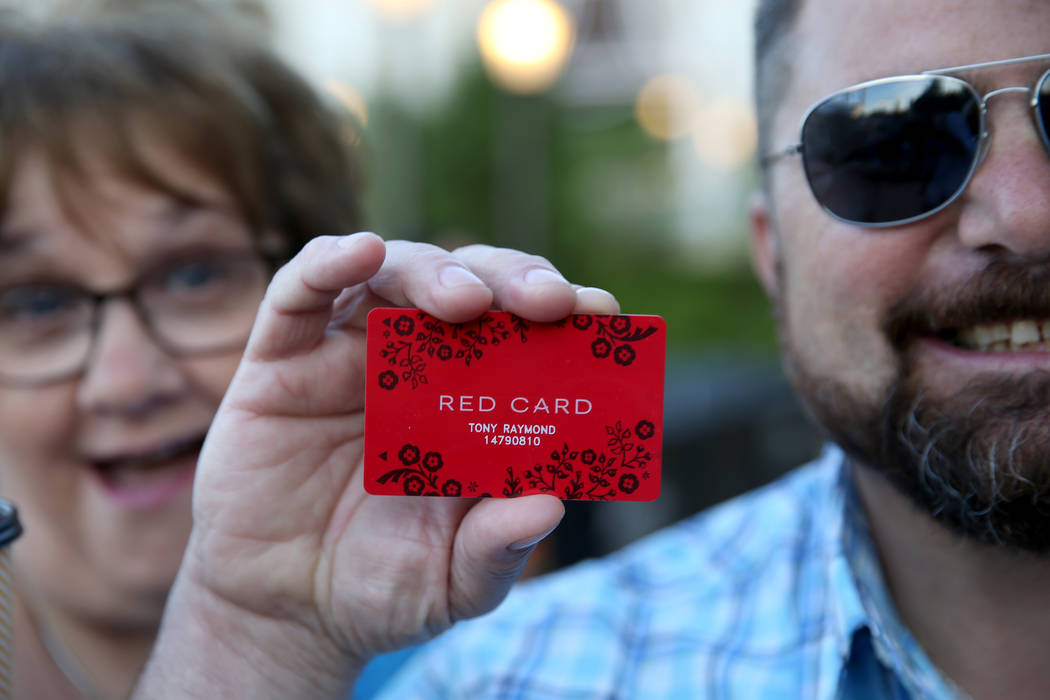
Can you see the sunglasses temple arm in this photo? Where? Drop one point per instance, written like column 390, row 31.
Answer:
column 987, row 64
column 771, row 158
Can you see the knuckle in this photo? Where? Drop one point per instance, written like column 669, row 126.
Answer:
column 538, row 261
column 315, row 247
column 413, row 254
column 492, row 256
column 474, row 249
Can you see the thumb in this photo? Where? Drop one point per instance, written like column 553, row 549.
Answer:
column 491, row 549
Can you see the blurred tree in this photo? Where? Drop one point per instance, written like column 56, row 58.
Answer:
column 582, row 185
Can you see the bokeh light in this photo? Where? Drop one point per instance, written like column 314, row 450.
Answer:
column 349, row 99
column 401, row 9
column 725, row 133
column 525, row 44
column 667, row 107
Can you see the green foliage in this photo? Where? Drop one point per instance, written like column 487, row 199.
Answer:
column 581, row 185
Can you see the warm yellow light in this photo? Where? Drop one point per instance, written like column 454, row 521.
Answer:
column 401, row 9
column 725, row 133
column 349, row 99
column 667, row 106
column 525, row 43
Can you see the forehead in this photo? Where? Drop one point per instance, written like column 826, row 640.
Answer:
column 61, row 218
column 837, row 44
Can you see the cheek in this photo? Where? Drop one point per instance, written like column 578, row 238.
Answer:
column 212, row 375
column 840, row 283
column 37, row 426
column 36, row 432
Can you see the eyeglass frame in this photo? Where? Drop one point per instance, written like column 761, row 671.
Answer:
column 984, row 135
column 132, row 292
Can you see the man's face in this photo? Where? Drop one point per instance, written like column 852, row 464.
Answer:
column 868, row 317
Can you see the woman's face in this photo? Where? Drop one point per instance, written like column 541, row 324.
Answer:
column 100, row 466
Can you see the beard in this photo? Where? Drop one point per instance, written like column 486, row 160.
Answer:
column 977, row 461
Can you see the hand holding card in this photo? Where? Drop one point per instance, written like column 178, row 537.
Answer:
column 283, row 525
column 504, row 407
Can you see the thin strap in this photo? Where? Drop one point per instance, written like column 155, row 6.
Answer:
column 10, row 529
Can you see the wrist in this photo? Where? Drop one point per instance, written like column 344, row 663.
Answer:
column 210, row 647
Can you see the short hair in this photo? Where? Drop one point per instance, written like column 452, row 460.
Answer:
column 86, row 89
column 773, row 22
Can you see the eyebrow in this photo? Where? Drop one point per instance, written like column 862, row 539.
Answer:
column 173, row 214
column 177, row 212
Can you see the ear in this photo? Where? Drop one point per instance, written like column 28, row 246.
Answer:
column 765, row 245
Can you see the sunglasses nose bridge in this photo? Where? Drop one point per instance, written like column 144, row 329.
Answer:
column 985, row 142
column 1003, row 91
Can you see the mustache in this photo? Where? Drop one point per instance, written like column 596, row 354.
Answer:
column 1002, row 291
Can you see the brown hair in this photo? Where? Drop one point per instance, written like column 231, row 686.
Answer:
column 82, row 89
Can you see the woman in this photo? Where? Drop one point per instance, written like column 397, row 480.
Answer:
column 172, row 169
column 153, row 175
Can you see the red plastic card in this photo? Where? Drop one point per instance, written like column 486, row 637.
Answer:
column 505, row 407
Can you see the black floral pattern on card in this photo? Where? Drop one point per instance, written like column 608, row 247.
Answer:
column 615, row 336
column 418, row 474
column 593, row 473
column 512, row 485
column 414, row 340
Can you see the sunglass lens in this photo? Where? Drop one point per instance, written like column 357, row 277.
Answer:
column 890, row 151
column 1043, row 108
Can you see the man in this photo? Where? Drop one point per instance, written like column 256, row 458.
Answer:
column 905, row 252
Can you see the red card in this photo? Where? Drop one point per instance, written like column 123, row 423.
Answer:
column 505, row 407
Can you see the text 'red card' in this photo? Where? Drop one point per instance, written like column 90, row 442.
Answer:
column 504, row 407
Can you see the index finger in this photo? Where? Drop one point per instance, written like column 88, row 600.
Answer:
column 526, row 285
column 298, row 304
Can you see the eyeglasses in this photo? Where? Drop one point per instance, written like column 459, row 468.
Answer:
column 896, row 150
column 194, row 305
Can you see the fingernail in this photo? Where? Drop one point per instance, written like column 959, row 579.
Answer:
column 457, row 276
column 531, row 542
column 541, row 275
column 349, row 241
column 583, row 291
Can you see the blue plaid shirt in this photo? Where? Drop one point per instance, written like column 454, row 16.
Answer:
column 776, row 594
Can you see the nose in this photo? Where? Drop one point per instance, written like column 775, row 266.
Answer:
column 127, row 374
column 1007, row 205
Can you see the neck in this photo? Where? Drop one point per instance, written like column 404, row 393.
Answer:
column 71, row 658
column 980, row 612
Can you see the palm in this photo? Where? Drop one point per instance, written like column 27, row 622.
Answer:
column 283, row 525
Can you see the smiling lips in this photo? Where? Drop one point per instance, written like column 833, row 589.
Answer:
column 150, row 478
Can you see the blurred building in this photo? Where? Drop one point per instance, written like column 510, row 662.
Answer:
column 684, row 66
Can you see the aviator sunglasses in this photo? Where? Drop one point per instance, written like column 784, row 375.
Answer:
column 895, row 150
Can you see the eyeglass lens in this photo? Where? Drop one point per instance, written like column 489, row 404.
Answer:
column 890, row 151
column 190, row 306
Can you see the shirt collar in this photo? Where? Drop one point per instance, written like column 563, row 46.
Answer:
column 861, row 600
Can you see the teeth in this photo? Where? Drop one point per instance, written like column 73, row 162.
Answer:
column 999, row 332
column 999, row 337
column 1024, row 332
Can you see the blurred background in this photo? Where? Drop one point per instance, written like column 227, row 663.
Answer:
column 615, row 137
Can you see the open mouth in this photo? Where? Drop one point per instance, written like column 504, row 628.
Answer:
column 150, row 459
column 150, row 477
